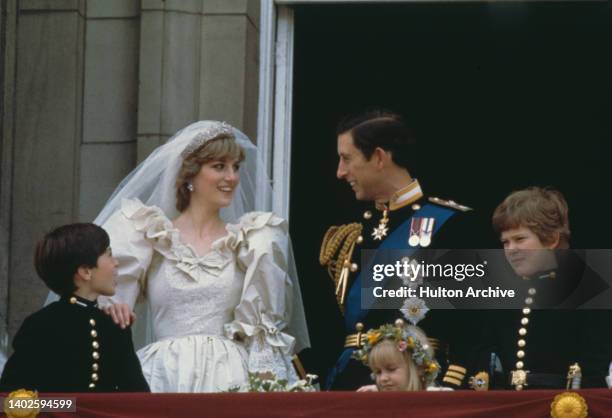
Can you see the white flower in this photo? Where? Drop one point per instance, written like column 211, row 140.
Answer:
column 411, row 279
column 268, row 382
column 304, row 385
column 414, row 310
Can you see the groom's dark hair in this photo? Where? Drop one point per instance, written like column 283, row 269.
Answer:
column 381, row 128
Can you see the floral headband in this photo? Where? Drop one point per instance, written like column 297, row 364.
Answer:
column 209, row 133
column 405, row 339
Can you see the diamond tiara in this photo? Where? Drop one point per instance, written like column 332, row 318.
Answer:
column 213, row 131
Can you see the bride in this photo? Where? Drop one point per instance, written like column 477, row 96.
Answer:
column 219, row 282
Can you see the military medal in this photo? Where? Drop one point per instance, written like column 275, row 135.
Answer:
column 415, row 230
column 381, row 230
column 426, row 231
column 421, row 230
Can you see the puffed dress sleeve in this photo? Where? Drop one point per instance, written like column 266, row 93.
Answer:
column 129, row 229
column 262, row 316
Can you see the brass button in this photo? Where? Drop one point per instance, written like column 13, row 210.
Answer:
column 95, row 345
column 526, row 311
column 367, row 215
column 354, row 267
column 94, row 367
column 359, row 239
column 92, row 386
column 94, row 377
column 524, row 321
column 521, row 343
column 73, row 300
column 522, row 331
column 93, row 333
column 92, row 322
column 519, row 364
column 520, row 354
column 95, row 355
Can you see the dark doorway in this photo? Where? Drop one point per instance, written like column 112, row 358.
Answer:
column 501, row 96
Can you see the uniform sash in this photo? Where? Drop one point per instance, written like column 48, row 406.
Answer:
column 397, row 240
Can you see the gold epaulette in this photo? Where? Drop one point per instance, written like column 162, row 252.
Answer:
column 449, row 204
column 454, row 375
column 336, row 253
column 355, row 340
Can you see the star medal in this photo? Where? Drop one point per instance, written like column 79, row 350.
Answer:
column 381, row 230
column 415, row 231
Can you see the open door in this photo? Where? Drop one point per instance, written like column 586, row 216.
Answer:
column 500, row 96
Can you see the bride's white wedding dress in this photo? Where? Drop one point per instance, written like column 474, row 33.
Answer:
column 214, row 317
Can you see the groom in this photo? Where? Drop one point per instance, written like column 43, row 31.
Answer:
column 376, row 153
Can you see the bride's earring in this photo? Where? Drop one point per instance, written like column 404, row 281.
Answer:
column 190, row 187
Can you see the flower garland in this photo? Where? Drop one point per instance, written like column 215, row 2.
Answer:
column 405, row 339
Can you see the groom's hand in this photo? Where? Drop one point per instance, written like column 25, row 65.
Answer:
column 121, row 313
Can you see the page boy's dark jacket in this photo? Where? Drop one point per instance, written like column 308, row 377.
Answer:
column 72, row 346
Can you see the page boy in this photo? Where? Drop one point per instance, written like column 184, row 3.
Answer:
column 71, row 345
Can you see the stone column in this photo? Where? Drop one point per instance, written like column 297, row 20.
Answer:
column 74, row 135
column 8, row 25
column 91, row 86
column 110, row 100
column 47, row 133
column 198, row 60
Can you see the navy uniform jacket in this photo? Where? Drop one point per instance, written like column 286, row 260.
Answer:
column 456, row 329
column 553, row 338
column 73, row 347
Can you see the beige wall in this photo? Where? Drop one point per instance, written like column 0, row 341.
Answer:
column 7, row 87
column 210, row 45
column 97, row 84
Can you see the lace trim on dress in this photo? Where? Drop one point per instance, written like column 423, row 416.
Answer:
column 265, row 358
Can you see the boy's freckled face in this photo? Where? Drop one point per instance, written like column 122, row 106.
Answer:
column 525, row 252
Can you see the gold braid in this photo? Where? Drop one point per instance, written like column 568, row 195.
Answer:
column 340, row 241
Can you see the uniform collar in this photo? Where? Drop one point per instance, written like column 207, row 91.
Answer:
column 79, row 301
column 406, row 195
